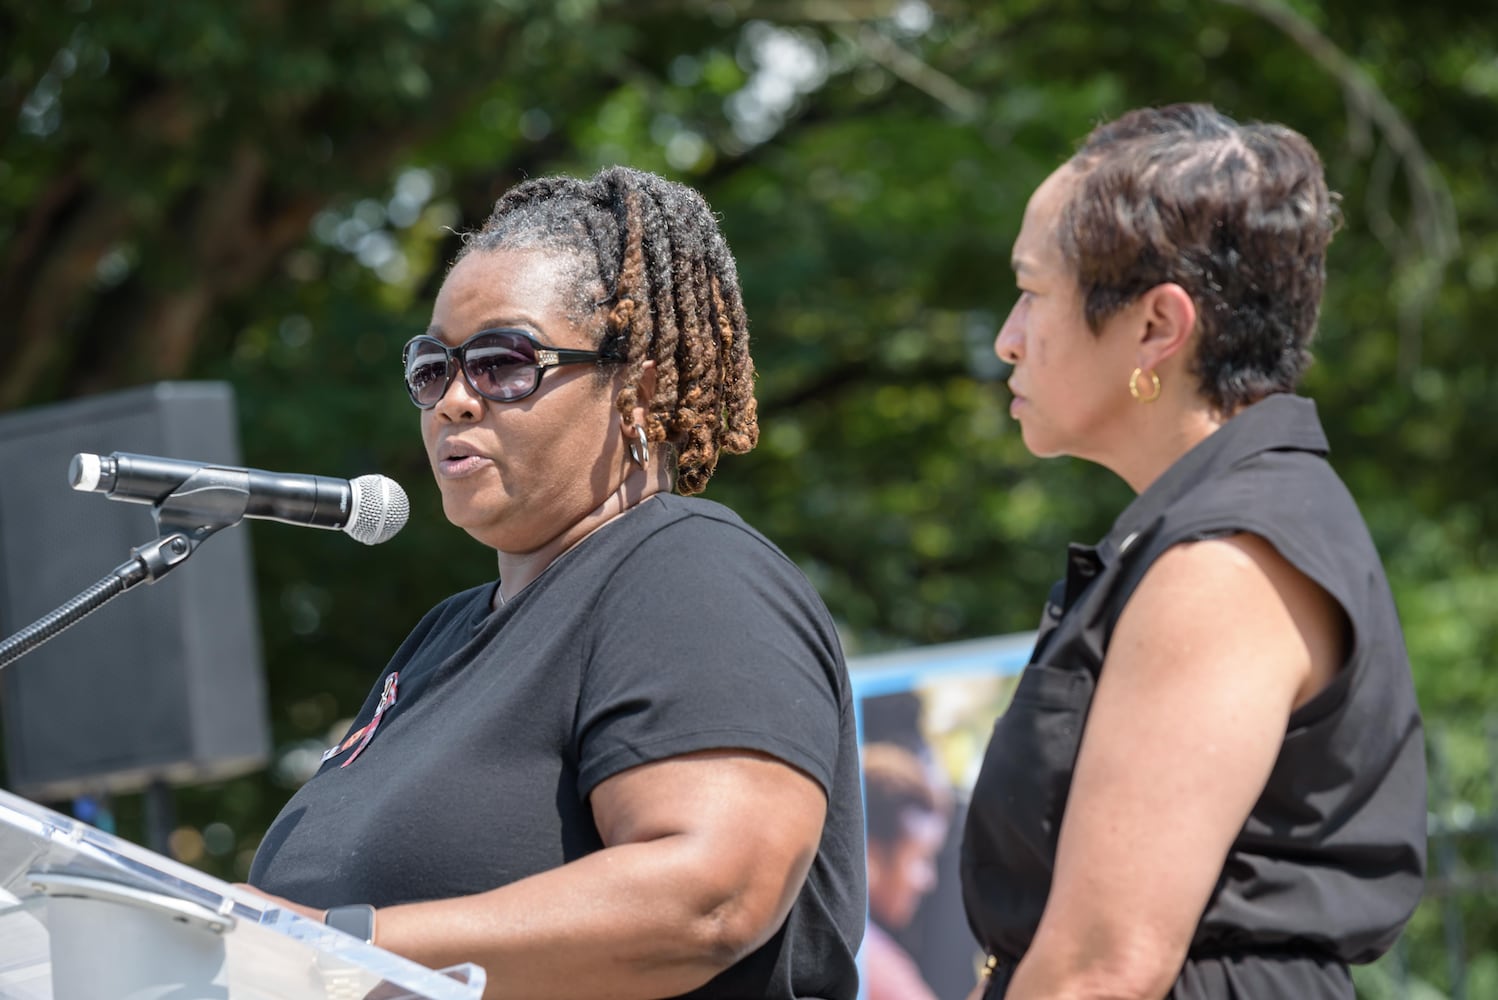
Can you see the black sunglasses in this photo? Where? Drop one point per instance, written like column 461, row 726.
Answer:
column 502, row 365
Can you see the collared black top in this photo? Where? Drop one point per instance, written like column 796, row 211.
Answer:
column 1331, row 861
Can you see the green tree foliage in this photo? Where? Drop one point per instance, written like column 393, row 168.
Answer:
column 267, row 193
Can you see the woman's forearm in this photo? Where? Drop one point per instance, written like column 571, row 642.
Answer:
column 638, row 920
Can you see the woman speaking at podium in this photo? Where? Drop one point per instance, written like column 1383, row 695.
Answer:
column 626, row 768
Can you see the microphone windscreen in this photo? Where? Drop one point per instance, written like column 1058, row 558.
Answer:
column 84, row 471
column 380, row 509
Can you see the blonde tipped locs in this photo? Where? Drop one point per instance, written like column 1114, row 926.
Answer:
column 669, row 295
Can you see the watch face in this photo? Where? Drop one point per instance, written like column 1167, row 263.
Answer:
column 356, row 920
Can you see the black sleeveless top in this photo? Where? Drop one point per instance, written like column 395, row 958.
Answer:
column 1331, row 860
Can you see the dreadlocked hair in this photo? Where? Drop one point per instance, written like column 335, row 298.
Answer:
column 670, row 295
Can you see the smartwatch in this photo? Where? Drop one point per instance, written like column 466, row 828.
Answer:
column 357, row 919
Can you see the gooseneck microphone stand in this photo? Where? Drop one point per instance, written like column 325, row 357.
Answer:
column 182, row 525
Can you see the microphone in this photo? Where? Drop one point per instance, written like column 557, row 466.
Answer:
column 370, row 509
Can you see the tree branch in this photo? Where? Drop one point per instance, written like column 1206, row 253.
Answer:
column 1433, row 215
column 907, row 66
column 806, row 11
column 21, row 259
column 51, row 300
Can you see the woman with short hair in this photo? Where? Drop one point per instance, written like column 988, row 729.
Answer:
column 1210, row 782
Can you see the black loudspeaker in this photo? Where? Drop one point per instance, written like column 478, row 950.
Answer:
column 165, row 682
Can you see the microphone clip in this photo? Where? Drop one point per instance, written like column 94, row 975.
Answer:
column 208, row 501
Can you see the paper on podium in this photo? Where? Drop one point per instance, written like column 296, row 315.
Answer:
column 76, row 895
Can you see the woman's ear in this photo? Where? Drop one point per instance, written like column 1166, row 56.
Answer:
column 639, row 414
column 1169, row 316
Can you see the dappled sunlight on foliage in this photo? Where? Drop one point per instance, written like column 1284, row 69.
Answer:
column 269, row 194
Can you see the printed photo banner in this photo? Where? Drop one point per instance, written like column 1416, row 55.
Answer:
column 924, row 718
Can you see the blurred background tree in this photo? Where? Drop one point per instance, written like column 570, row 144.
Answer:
column 267, row 193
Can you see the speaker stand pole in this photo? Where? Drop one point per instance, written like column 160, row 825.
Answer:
column 161, row 817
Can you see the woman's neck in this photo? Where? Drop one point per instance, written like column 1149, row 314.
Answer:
column 1161, row 440
column 517, row 570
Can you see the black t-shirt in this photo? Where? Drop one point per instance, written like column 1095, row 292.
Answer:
column 672, row 629
column 1330, row 863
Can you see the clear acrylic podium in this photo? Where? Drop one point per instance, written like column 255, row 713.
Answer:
column 88, row 916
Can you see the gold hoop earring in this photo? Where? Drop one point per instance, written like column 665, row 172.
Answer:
column 640, row 451
column 1154, row 386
